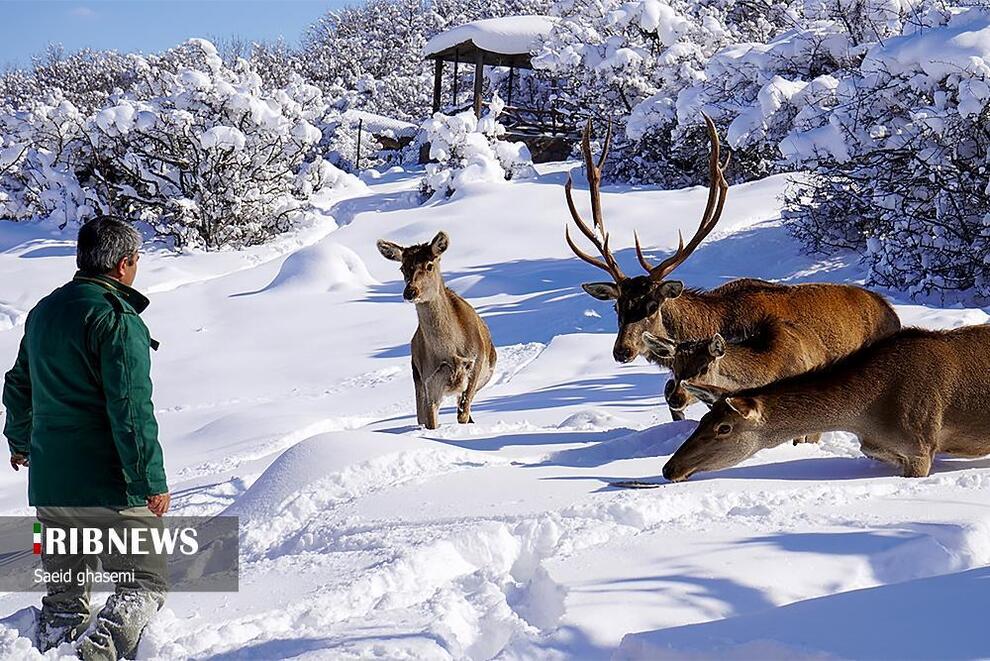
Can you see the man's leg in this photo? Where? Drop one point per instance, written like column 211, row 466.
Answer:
column 65, row 608
column 122, row 620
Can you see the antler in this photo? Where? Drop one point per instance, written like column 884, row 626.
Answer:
column 717, row 190
column 594, row 173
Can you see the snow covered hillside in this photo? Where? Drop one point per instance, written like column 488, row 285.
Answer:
column 285, row 397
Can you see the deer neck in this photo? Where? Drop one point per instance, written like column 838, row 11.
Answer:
column 815, row 405
column 436, row 315
column 692, row 315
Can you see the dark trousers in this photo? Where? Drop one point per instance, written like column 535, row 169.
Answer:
column 136, row 599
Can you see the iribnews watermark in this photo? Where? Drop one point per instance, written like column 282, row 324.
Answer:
column 126, row 541
column 103, row 549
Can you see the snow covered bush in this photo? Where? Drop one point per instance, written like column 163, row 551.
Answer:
column 468, row 150
column 899, row 159
column 200, row 150
column 39, row 158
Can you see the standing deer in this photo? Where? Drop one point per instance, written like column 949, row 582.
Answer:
column 452, row 350
column 841, row 318
column 906, row 397
column 743, row 363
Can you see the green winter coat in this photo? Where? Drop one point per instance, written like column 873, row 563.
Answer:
column 78, row 399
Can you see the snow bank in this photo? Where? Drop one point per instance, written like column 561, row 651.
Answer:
column 322, row 267
column 877, row 623
column 312, row 477
column 509, row 35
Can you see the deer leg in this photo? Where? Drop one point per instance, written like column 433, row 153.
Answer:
column 464, row 402
column 434, row 391
column 432, row 416
column 431, row 410
column 464, row 408
column 474, row 383
column 420, row 397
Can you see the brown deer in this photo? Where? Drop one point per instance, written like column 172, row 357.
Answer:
column 840, row 317
column 452, row 350
column 906, row 397
column 743, row 363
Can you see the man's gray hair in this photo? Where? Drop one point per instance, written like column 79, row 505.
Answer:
column 103, row 242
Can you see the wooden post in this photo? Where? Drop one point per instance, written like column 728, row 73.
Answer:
column 357, row 163
column 479, row 79
column 437, row 81
column 512, row 77
column 457, row 61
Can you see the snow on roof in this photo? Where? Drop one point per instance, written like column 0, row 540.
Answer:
column 378, row 123
column 508, row 35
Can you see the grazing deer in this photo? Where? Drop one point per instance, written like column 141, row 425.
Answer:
column 840, row 317
column 452, row 350
column 906, row 397
column 744, row 363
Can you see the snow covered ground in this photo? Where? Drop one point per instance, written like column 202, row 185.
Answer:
column 284, row 395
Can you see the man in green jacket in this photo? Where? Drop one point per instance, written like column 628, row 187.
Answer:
column 80, row 417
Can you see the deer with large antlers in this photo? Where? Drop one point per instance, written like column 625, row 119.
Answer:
column 841, row 318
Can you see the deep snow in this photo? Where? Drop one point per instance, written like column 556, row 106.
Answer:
column 284, row 395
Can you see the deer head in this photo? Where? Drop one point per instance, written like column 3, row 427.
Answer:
column 639, row 299
column 734, row 430
column 420, row 267
column 690, row 360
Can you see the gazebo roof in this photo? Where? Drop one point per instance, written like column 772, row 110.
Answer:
column 504, row 41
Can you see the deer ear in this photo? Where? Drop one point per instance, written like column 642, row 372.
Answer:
column 390, row 250
column 747, row 407
column 708, row 394
column 603, row 291
column 661, row 347
column 716, row 346
column 439, row 243
column 671, row 288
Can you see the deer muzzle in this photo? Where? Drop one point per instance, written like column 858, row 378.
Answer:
column 676, row 473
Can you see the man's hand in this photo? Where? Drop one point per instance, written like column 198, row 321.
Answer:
column 158, row 504
column 17, row 460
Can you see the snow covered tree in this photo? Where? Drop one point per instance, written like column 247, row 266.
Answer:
column 642, row 64
column 39, row 159
column 898, row 159
column 207, row 155
column 85, row 78
column 202, row 151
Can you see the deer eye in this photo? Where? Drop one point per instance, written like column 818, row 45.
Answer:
column 429, row 266
column 723, row 429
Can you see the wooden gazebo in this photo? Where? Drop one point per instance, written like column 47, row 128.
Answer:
column 500, row 42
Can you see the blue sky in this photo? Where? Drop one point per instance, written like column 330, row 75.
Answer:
column 27, row 26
